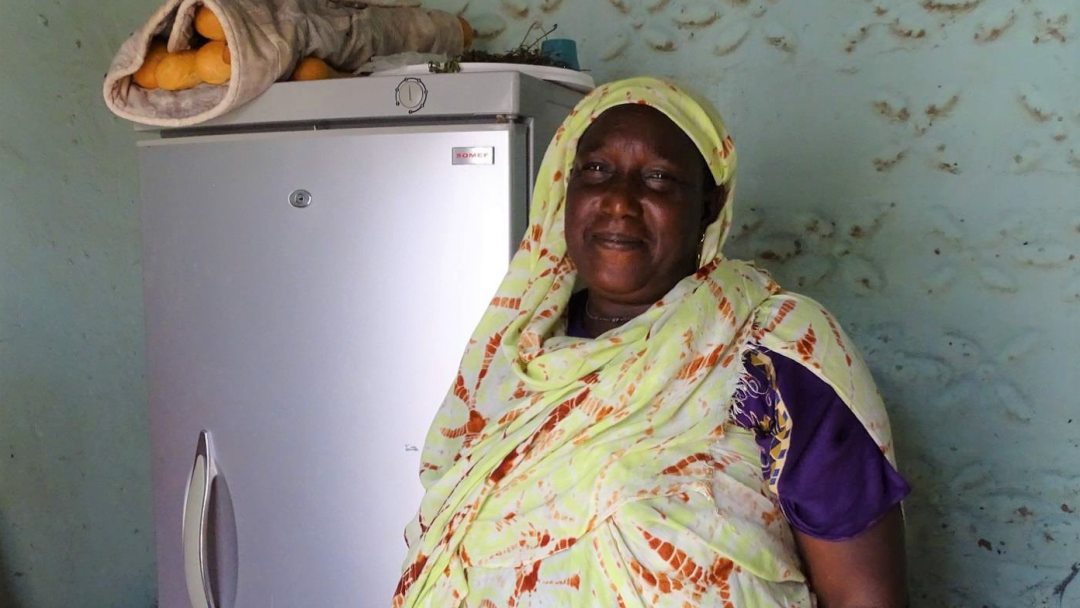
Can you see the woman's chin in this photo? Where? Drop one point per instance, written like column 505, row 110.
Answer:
column 629, row 290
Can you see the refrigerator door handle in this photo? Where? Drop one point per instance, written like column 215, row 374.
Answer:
column 196, row 507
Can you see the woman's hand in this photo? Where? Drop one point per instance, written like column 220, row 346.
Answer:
column 862, row 572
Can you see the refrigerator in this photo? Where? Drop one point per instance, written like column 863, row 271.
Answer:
column 314, row 264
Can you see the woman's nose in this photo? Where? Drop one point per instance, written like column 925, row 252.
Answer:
column 622, row 197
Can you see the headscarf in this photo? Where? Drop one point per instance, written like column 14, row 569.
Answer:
column 543, row 437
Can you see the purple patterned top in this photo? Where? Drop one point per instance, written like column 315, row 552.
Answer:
column 831, row 478
column 834, row 482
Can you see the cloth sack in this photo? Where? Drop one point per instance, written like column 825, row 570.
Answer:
column 266, row 39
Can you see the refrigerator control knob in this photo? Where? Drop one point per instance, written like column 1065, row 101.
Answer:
column 411, row 94
column 300, row 198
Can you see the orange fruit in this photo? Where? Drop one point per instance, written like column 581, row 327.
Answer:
column 213, row 62
column 207, row 24
column 176, row 71
column 145, row 76
column 313, row 68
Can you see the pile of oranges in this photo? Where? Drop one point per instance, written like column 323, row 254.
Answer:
column 211, row 63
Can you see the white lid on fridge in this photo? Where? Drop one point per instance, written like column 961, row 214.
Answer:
column 401, row 97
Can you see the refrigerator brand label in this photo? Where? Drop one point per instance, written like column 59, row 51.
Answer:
column 474, row 156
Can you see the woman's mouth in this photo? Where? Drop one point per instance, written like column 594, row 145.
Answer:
column 617, row 241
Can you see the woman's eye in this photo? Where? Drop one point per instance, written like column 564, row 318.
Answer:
column 590, row 172
column 660, row 175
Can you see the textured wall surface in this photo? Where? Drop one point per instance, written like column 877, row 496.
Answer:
column 915, row 165
column 75, row 510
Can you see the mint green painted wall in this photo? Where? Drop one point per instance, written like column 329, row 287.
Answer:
column 75, row 502
column 915, row 165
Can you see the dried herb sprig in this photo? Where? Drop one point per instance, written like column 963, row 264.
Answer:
column 525, row 54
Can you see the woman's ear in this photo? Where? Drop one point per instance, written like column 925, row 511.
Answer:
column 714, row 199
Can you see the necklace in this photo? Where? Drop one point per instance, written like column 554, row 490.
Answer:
column 602, row 318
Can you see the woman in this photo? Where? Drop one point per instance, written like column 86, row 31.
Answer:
column 679, row 431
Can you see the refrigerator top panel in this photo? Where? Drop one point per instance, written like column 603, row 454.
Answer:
column 394, row 99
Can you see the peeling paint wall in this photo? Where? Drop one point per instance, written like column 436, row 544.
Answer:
column 915, row 165
column 75, row 501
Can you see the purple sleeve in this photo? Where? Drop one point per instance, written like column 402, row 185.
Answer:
column 831, row 478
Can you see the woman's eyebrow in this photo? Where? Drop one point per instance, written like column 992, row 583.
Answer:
column 669, row 158
column 590, row 146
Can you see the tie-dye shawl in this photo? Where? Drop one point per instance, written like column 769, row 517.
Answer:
column 567, row 471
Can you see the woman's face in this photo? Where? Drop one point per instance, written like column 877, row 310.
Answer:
column 637, row 205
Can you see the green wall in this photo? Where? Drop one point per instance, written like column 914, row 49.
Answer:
column 75, row 501
column 913, row 164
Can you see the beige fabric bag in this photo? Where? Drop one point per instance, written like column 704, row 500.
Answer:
column 267, row 38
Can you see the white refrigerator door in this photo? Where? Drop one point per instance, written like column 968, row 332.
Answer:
column 314, row 344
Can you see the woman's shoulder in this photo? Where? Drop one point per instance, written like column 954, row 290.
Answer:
column 743, row 276
column 774, row 302
column 802, row 330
